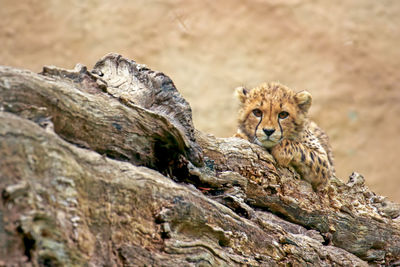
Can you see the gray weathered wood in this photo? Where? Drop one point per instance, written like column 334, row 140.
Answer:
column 75, row 148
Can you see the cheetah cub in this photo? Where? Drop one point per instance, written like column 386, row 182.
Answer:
column 275, row 117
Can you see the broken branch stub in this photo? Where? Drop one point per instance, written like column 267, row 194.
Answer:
column 152, row 90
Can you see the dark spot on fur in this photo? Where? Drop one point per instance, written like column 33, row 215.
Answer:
column 303, row 157
column 312, row 156
column 317, row 169
column 323, row 173
column 322, row 162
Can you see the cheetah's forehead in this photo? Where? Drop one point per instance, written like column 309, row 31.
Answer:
column 271, row 92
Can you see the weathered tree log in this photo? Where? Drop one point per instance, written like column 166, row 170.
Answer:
column 86, row 161
column 350, row 216
column 83, row 114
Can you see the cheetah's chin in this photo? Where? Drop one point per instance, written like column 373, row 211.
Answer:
column 266, row 143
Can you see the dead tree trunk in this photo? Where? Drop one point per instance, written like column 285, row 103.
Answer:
column 104, row 168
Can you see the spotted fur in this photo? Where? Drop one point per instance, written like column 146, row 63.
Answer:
column 275, row 117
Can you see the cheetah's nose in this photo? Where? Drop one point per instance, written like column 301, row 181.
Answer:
column 269, row 132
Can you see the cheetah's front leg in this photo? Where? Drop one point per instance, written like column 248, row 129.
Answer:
column 310, row 163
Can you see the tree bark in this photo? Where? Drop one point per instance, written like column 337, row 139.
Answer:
column 105, row 168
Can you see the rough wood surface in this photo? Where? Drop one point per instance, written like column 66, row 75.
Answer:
column 104, row 168
column 83, row 114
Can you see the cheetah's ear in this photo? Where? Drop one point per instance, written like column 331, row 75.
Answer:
column 241, row 93
column 304, row 100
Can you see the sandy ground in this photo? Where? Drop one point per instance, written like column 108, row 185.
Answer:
column 345, row 53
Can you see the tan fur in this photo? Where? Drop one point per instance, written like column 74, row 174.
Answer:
column 275, row 117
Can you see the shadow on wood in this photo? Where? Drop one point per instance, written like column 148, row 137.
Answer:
column 104, row 167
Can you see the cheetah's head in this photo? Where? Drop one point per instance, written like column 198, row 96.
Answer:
column 272, row 112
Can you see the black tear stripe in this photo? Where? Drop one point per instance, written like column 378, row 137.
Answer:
column 255, row 131
column 280, row 127
column 312, row 156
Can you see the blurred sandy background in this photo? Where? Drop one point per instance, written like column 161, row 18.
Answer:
column 346, row 53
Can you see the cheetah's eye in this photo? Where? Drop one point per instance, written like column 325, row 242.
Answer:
column 257, row 112
column 283, row 115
